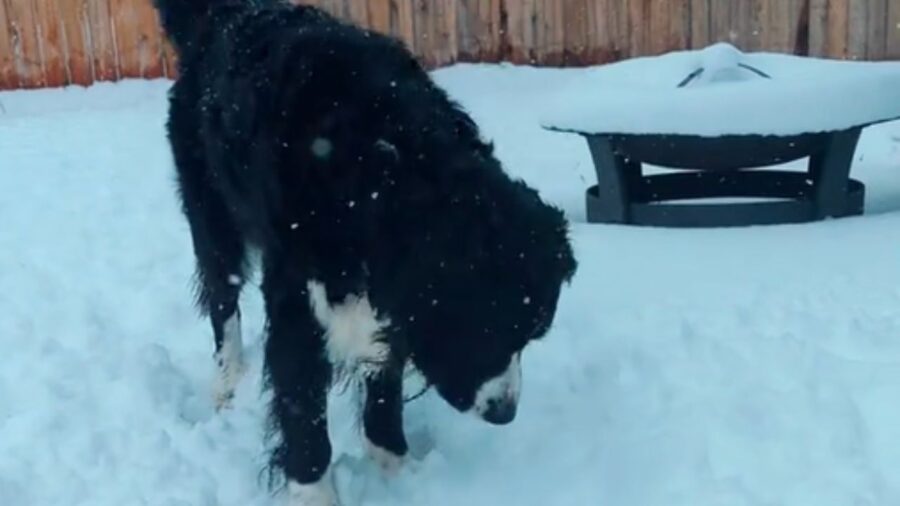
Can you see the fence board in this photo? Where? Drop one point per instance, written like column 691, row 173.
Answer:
column 734, row 22
column 436, row 31
column 478, row 29
column 101, row 41
column 779, row 24
column 605, row 30
column 137, row 39
column 24, row 42
column 857, row 24
column 876, row 44
column 669, row 26
column 379, row 14
column 9, row 78
column 576, row 31
column 701, row 31
column 818, row 28
column 892, row 44
column 520, row 31
column 51, row 42
column 838, row 24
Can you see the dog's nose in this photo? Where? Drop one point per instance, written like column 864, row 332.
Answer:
column 500, row 412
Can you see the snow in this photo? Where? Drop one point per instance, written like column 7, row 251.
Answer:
column 740, row 367
column 642, row 96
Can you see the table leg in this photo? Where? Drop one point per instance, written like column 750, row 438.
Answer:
column 613, row 176
column 830, row 173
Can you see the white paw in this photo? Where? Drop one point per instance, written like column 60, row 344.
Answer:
column 230, row 366
column 320, row 493
column 388, row 463
column 227, row 379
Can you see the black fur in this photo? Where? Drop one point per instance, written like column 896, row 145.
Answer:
column 330, row 149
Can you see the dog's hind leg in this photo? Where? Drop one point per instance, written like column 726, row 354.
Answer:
column 299, row 373
column 220, row 254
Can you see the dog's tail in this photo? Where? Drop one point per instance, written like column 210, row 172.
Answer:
column 182, row 19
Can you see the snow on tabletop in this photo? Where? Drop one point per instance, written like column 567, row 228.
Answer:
column 747, row 367
column 641, row 96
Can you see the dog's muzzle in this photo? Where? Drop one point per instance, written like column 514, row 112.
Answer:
column 498, row 399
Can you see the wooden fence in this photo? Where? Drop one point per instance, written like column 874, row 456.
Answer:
column 56, row 42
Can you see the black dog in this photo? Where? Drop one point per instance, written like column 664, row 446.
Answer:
column 388, row 230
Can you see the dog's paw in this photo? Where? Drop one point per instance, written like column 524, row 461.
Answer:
column 230, row 368
column 388, row 463
column 320, row 493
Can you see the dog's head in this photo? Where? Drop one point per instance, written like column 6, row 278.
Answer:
column 488, row 279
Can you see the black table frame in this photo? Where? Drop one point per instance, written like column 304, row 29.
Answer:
column 726, row 166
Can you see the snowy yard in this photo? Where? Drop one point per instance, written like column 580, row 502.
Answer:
column 756, row 366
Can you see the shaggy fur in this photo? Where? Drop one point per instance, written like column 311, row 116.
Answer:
column 329, row 149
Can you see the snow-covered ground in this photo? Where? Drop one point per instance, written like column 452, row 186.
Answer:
column 755, row 366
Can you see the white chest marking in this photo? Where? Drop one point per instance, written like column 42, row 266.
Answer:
column 353, row 330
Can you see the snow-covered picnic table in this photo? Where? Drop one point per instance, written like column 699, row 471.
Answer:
column 718, row 112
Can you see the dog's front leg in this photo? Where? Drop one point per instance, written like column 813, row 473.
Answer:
column 299, row 374
column 383, row 417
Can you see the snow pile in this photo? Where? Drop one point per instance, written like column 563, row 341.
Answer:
column 743, row 367
column 642, row 96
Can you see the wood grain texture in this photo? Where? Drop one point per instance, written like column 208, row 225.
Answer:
column 24, row 43
column 478, row 30
column 52, row 42
column 51, row 46
column 102, row 44
column 137, row 39
column 837, row 29
column 669, row 26
column 520, row 31
column 378, row 13
column 9, row 77
column 892, row 29
column 818, row 28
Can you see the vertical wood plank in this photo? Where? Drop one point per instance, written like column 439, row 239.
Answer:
column 101, row 41
column 51, row 48
column 637, row 33
column 701, row 34
column 8, row 77
column 402, row 21
column 818, row 28
column 734, row 22
column 780, row 26
column 137, row 39
column 892, row 44
column 838, row 22
column 576, row 37
column 421, row 12
column 357, row 12
column 668, row 26
column 26, row 54
column 603, row 31
column 447, row 35
column 552, row 33
column 876, row 43
column 478, row 29
column 520, row 31
column 857, row 27
column 74, row 30
column 619, row 30
column 435, row 26
column 379, row 15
